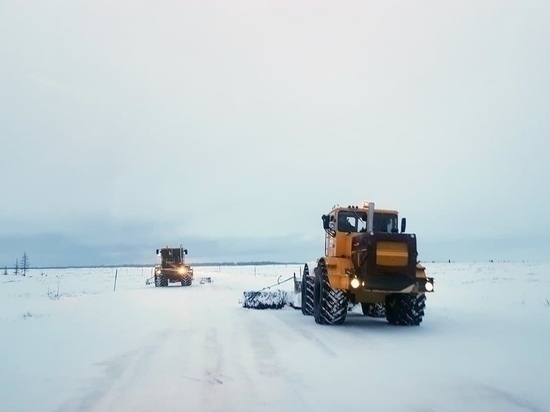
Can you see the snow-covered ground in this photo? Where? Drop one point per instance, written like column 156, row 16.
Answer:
column 68, row 342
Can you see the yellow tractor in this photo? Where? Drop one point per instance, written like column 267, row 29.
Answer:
column 367, row 261
column 172, row 267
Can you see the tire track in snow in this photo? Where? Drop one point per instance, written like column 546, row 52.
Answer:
column 117, row 373
column 270, row 345
column 306, row 333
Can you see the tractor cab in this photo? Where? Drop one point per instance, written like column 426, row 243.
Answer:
column 172, row 257
column 343, row 224
column 354, row 221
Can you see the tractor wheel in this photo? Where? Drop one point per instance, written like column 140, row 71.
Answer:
column 163, row 281
column 157, row 281
column 307, row 292
column 405, row 309
column 330, row 305
column 374, row 310
column 186, row 282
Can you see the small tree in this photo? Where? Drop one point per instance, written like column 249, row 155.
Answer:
column 24, row 264
column 16, row 271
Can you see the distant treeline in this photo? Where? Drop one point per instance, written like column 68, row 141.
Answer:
column 262, row 263
column 136, row 265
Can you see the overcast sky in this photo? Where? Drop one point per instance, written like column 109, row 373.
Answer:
column 232, row 126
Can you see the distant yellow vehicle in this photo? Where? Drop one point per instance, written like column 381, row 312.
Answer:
column 172, row 267
column 368, row 261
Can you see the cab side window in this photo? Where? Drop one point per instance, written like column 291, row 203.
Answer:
column 347, row 223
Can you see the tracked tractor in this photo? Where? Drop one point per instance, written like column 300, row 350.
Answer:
column 172, row 267
column 367, row 261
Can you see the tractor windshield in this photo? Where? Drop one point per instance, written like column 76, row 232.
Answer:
column 355, row 221
column 385, row 223
column 171, row 256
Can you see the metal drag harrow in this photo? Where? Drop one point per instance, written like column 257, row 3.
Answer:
column 266, row 298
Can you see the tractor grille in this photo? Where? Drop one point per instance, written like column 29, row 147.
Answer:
column 381, row 254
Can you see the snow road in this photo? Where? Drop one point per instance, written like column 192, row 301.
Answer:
column 482, row 346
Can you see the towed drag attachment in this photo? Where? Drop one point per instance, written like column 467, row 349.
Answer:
column 266, row 298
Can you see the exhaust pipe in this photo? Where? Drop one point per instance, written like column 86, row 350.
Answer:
column 370, row 218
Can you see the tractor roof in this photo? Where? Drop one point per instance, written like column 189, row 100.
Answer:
column 364, row 209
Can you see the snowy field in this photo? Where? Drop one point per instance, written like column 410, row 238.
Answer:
column 71, row 343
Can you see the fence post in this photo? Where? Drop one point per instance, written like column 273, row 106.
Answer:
column 116, row 275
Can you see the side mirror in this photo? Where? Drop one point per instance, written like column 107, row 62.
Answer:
column 325, row 222
column 157, row 251
column 185, row 251
column 403, row 225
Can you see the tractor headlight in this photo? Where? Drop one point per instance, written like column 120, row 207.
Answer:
column 182, row 270
column 429, row 286
column 158, row 271
column 355, row 283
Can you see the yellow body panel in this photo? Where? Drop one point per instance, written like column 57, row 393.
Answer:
column 338, row 270
column 391, row 254
column 340, row 245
